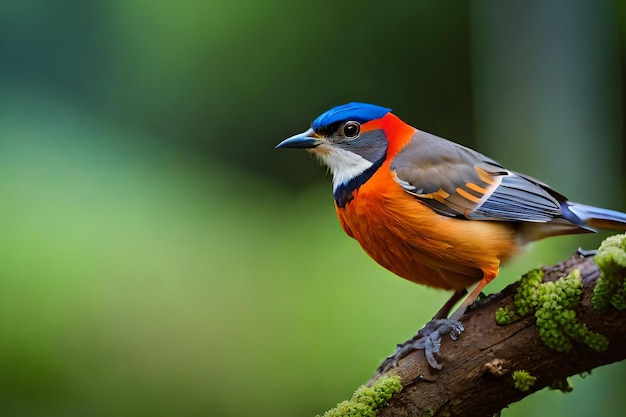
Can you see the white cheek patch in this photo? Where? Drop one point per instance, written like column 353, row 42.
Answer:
column 343, row 164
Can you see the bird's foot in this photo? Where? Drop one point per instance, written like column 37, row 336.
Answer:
column 428, row 338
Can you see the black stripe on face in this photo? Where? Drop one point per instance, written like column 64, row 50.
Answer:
column 345, row 192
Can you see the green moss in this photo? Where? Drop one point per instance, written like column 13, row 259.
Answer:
column 552, row 304
column 523, row 380
column 526, row 293
column 429, row 412
column 503, row 316
column 611, row 288
column 366, row 400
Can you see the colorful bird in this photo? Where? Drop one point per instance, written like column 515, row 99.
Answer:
column 432, row 211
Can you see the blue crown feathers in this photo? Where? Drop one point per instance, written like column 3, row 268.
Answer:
column 359, row 112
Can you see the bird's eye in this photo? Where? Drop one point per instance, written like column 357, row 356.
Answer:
column 351, row 129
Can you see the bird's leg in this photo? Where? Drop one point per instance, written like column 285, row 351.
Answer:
column 429, row 337
column 469, row 300
column 445, row 309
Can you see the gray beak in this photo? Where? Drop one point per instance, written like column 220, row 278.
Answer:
column 304, row 140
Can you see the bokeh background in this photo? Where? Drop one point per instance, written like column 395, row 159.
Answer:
column 159, row 258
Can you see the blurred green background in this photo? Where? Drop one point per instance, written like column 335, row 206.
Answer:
column 159, row 258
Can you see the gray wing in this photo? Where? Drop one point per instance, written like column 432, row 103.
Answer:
column 456, row 181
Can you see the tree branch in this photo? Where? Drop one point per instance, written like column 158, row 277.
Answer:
column 477, row 375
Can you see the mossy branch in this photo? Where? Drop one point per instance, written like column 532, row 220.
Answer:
column 493, row 365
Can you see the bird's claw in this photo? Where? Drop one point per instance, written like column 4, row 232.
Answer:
column 428, row 338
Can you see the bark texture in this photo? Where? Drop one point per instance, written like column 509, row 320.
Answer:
column 477, row 375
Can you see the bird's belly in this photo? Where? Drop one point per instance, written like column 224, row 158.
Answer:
column 409, row 239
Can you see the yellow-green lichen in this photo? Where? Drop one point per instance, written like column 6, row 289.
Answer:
column 611, row 288
column 523, row 380
column 526, row 293
column 503, row 316
column 552, row 304
column 367, row 400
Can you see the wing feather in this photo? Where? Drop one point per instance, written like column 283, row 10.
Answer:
column 456, row 181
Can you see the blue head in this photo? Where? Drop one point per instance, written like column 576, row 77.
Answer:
column 331, row 125
column 336, row 138
column 358, row 112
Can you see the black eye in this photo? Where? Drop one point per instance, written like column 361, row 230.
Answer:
column 351, row 129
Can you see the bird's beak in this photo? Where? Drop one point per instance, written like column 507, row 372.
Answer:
column 304, row 140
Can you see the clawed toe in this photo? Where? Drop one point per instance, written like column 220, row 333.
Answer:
column 427, row 339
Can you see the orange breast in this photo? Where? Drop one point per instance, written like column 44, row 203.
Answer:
column 412, row 241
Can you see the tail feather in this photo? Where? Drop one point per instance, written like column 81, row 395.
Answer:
column 595, row 217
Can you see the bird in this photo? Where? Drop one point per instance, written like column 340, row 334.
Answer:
column 432, row 211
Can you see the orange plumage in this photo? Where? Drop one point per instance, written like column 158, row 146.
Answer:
column 409, row 239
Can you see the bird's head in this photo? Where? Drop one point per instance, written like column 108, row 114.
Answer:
column 350, row 139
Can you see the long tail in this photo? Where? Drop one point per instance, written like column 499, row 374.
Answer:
column 595, row 217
